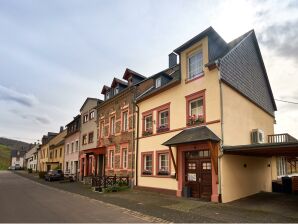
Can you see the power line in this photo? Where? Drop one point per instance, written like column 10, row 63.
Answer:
column 285, row 101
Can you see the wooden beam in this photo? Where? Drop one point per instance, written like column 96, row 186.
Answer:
column 173, row 160
column 214, row 154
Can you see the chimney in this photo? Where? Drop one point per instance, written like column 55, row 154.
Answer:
column 61, row 129
column 172, row 59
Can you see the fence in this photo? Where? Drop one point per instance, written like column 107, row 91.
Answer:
column 109, row 181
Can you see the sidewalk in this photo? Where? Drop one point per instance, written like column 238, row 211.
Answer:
column 170, row 208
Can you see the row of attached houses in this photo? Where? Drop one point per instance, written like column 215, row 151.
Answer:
column 203, row 127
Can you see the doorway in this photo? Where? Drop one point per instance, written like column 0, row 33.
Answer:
column 198, row 176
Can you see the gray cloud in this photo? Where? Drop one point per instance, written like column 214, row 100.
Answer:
column 282, row 38
column 32, row 117
column 7, row 94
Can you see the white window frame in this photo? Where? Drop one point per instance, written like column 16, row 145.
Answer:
column 116, row 90
column 107, row 95
column 92, row 114
column 67, row 148
column 85, row 118
column 77, row 145
column 201, row 66
column 113, row 125
column 158, row 82
column 111, row 159
column 125, row 121
column 148, row 129
column 194, row 100
column 72, row 147
column 145, row 162
column 159, row 161
column 124, row 158
column 159, row 114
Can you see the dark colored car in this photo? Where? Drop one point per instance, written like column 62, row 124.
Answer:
column 52, row 175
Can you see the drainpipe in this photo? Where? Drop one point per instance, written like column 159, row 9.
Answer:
column 137, row 143
column 222, row 129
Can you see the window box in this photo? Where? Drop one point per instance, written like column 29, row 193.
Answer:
column 147, row 172
column 162, row 129
column 163, row 173
column 147, row 133
column 195, row 120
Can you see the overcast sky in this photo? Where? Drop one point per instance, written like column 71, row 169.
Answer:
column 54, row 54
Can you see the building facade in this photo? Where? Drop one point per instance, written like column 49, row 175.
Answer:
column 31, row 158
column 43, row 153
column 211, row 99
column 56, row 151
column 116, row 124
column 72, row 147
column 90, row 157
column 18, row 158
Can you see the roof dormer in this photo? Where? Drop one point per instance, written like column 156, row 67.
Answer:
column 106, row 92
column 117, row 86
column 132, row 77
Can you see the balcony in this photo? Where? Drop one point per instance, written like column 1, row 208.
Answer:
column 281, row 138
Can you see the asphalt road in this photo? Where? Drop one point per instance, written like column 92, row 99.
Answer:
column 23, row 200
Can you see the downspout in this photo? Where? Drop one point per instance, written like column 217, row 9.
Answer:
column 137, row 143
column 222, row 130
column 135, row 137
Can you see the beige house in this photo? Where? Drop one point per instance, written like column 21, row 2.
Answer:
column 56, row 150
column 196, row 115
column 43, row 153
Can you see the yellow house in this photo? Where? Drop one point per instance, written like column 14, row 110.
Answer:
column 43, row 153
column 56, row 151
column 194, row 113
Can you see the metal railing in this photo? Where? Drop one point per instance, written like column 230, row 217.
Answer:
column 281, row 138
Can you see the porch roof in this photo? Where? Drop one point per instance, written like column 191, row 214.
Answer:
column 265, row 149
column 192, row 135
column 95, row 151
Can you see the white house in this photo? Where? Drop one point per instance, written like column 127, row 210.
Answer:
column 31, row 158
column 17, row 158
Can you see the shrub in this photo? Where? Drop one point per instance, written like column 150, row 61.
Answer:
column 30, row 170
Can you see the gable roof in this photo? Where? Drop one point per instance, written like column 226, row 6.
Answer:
column 191, row 135
column 119, row 81
column 128, row 72
column 15, row 153
column 105, row 89
column 89, row 98
column 242, row 68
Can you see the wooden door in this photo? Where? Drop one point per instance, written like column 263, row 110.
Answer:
column 198, row 176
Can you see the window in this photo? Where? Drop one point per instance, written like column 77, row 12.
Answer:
column 72, row 147
column 124, row 158
column 51, row 154
column 112, row 128
column 101, row 129
column 125, row 121
column 147, row 169
column 195, row 65
column 116, row 90
column 92, row 114
column 66, row 166
column 163, row 119
column 206, row 166
column 56, row 153
column 90, row 137
column 107, row 95
column 71, row 166
column 60, row 152
column 77, row 145
column 196, row 107
column 111, row 159
column 84, row 139
column 85, row 118
column 158, row 82
column 67, row 148
column 148, row 123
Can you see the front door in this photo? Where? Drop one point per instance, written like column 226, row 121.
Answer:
column 198, row 175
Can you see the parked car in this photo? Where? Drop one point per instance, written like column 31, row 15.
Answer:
column 52, row 175
column 18, row 167
column 11, row 168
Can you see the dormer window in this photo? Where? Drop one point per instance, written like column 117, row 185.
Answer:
column 107, row 95
column 158, row 82
column 129, row 81
column 195, row 65
column 116, row 90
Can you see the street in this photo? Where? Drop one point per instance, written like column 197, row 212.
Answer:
column 23, row 200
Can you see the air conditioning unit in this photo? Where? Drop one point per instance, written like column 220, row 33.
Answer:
column 257, row 136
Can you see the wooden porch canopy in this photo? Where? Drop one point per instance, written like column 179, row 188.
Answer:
column 196, row 135
column 95, row 151
column 288, row 149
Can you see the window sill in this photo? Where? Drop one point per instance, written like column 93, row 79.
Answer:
column 202, row 74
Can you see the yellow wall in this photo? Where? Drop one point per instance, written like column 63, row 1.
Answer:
column 240, row 116
column 176, row 97
column 43, row 159
column 238, row 181
column 54, row 141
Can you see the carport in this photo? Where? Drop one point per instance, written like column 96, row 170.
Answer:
column 249, row 169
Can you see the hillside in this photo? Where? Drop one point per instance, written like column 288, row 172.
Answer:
column 14, row 144
column 4, row 157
